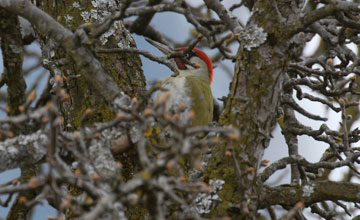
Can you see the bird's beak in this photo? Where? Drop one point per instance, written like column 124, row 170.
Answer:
column 162, row 47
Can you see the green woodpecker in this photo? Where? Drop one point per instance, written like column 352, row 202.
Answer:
column 189, row 92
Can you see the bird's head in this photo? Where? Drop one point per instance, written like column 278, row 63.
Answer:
column 203, row 64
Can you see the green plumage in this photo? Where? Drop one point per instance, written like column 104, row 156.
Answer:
column 202, row 100
column 191, row 87
column 194, row 92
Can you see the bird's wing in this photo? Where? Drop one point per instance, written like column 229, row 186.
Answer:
column 202, row 100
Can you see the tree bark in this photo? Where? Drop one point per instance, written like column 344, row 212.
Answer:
column 124, row 69
column 252, row 106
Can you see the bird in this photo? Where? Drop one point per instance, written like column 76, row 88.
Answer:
column 187, row 93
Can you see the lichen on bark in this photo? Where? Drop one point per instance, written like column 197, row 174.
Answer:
column 124, row 68
column 251, row 106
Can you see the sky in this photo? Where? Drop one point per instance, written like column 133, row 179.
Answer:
column 176, row 27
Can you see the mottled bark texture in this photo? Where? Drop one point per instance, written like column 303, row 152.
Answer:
column 13, row 55
column 252, row 106
column 124, row 69
column 316, row 191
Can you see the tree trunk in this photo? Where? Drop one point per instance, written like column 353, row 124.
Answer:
column 252, row 106
column 125, row 69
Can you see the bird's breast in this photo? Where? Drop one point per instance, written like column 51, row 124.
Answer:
column 179, row 93
column 194, row 93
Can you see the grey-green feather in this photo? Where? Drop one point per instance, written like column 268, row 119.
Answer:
column 202, row 100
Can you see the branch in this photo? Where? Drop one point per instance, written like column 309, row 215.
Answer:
column 87, row 64
column 151, row 9
column 320, row 13
column 140, row 25
column 24, row 187
column 161, row 60
column 288, row 100
column 150, row 32
column 30, row 149
column 282, row 163
column 313, row 192
column 230, row 21
column 22, row 150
